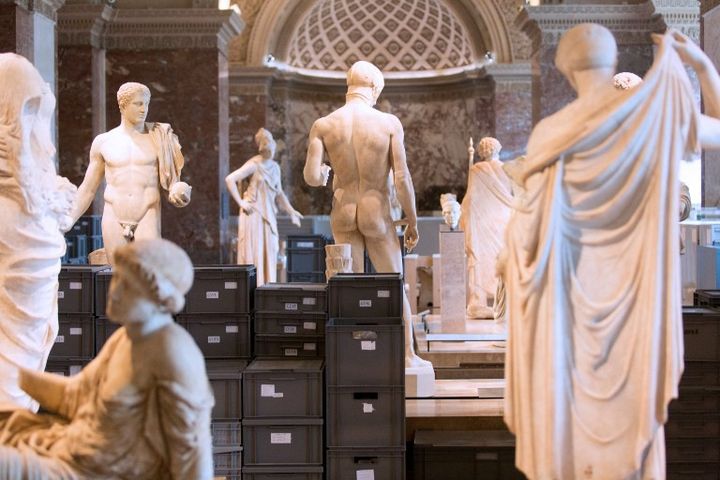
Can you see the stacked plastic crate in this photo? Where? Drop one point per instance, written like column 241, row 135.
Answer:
column 283, row 387
column 84, row 237
column 306, row 258
column 365, row 377
column 217, row 314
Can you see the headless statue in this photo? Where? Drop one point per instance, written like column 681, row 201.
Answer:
column 364, row 145
column 141, row 408
column 136, row 159
column 595, row 340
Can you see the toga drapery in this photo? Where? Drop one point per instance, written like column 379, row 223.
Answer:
column 593, row 280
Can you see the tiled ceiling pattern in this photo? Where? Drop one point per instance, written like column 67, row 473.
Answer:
column 395, row 35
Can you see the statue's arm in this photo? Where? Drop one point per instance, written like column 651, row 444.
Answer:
column 232, row 181
column 403, row 182
column 47, row 388
column 315, row 173
column 93, row 177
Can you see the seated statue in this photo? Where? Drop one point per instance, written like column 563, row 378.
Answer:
column 141, row 408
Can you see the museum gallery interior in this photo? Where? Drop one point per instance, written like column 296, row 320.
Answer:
column 360, row 239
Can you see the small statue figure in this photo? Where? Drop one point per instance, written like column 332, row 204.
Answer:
column 258, row 242
column 450, row 210
column 136, row 159
column 35, row 206
column 486, row 207
column 141, row 408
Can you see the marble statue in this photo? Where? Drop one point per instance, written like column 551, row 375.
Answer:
column 450, row 210
column 136, row 159
column 35, row 206
column 338, row 259
column 595, row 341
column 141, row 408
column 258, row 242
column 486, row 210
column 364, row 145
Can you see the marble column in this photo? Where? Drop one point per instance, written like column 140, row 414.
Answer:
column 181, row 55
column 513, row 106
column 711, row 160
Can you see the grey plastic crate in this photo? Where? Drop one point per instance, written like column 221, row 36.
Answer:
column 222, row 289
column 289, row 441
column 300, row 260
column 306, row 242
column 292, row 298
column 696, row 400
column 283, row 473
column 75, row 339
column 693, row 471
column 76, row 290
column 102, row 289
column 692, row 450
column 66, row 368
column 697, row 425
column 220, row 336
column 226, row 381
column 364, row 354
column 701, row 328
column 306, row 277
column 706, row 298
column 87, row 225
column 377, row 463
column 374, row 295
column 104, row 328
column 701, row 374
column 284, row 346
column 290, row 324
column 228, row 462
column 366, row 417
column 283, row 388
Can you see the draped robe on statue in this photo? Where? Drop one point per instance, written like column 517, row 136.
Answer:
column 593, row 279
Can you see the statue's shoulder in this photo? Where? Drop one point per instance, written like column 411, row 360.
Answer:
column 174, row 351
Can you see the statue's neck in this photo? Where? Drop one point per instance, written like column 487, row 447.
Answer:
column 360, row 95
column 131, row 127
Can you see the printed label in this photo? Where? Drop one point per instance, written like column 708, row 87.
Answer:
column 310, row 346
column 278, row 395
column 365, row 475
column 309, row 301
column 267, row 390
column 231, row 329
column 309, row 325
column 367, row 345
column 291, row 306
column 289, row 329
column 291, row 352
column 75, row 331
column 281, row 438
column 368, row 408
column 60, row 339
column 61, row 294
column 212, row 295
column 75, row 285
column 365, row 303
column 230, row 285
column 383, row 293
column 214, row 339
column 305, row 245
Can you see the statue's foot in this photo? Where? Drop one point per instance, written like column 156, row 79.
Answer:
column 479, row 311
column 413, row 361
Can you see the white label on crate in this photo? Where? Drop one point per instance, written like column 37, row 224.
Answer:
column 289, row 329
column 281, row 438
column 309, row 346
column 61, row 294
column 309, row 301
column 305, row 245
column 367, row 345
column 214, row 339
column 309, row 325
column 231, row 329
column 212, row 295
column 291, row 352
column 230, row 285
column 60, row 339
column 365, row 303
column 267, row 390
column 75, row 331
column 75, row 285
column 368, row 408
column 383, row 293
column 365, row 475
column 291, row 306
column 278, row 395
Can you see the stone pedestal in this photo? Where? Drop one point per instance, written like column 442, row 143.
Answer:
column 419, row 382
column 452, row 275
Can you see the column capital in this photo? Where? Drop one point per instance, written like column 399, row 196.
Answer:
column 83, row 24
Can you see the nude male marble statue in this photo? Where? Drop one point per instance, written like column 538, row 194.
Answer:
column 595, row 340
column 364, row 145
column 258, row 241
column 141, row 408
column 35, row 206
column 136, row 159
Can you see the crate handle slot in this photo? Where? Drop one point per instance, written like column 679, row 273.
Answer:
column 372, row 460
column 365, row 396
column 364, row 335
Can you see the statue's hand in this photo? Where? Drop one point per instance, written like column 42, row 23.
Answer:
column 180, row 193
column 325, row 172
column 246, row 207
column 295, row 218
column 62, row 200
column 689, row 52
column 411, row 237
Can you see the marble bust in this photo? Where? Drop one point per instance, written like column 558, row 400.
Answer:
column 258, row 241
column 141, row 408
column 35, row 207
column 136, row 159
column 450, row 210
column 595, row 339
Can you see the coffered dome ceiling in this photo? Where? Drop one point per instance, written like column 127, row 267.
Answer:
column 395, row 35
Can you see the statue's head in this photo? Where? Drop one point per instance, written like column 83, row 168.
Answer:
column 364, row 75
column 133, row 99
column 488, row 149
column 583, row 47
column 148, row 275
column 450, row 209
column 266, row 143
